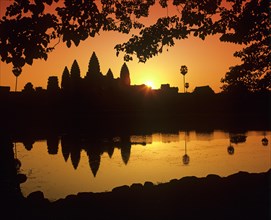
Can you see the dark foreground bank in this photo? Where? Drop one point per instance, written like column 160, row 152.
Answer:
column 238, row 196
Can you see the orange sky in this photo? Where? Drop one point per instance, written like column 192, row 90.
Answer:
column 207, row 61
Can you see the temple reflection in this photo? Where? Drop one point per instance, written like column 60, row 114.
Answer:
column 52, row 144
column 95, row 145
column 28, row 143
column 125, row 148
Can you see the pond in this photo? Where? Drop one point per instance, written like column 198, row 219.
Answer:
column 67, row 164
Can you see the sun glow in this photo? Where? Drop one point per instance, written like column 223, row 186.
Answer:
column 149, row 84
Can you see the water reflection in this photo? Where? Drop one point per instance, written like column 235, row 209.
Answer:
column 95, row 146
column 11, row 177
column 72, row 145
column 52, row 144
column 235, row 139
column 95, row 159
column 264, row 140
column 230, row 150
column 28, row 143
column 186, row 158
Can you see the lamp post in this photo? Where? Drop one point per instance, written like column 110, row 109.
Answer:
column 184, row 71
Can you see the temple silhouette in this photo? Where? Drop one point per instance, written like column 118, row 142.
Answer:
column 102, row 103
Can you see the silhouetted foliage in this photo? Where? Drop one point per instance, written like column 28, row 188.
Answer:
column 29, row 32
column 28, row 88
column 203, row 90
column 254, row 74
column 184, row 70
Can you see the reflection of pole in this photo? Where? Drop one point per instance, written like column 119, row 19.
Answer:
column 186, row 158
column 230, row 149
column 185, row 142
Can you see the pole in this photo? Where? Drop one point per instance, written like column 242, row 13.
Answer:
column 184, row 83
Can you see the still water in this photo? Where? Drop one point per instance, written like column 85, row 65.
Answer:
column 63, row 165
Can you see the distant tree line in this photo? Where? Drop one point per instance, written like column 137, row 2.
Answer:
column 29, row 31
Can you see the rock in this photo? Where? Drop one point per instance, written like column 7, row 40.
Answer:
column 124, row 188
column 148, row 185
column 136, row 186
column 36, row 196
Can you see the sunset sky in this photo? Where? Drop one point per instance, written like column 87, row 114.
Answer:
column 207, row 60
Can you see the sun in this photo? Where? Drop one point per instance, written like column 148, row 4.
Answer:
column 149, row 84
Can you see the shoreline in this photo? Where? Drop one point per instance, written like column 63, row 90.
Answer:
column 241, row 195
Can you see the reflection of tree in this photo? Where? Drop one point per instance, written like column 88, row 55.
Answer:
column 230, row 150
column 264, row 141
column 204, row 135
column 186, row 158
column 235, row 139
column 10, row 178
column 238, row 138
